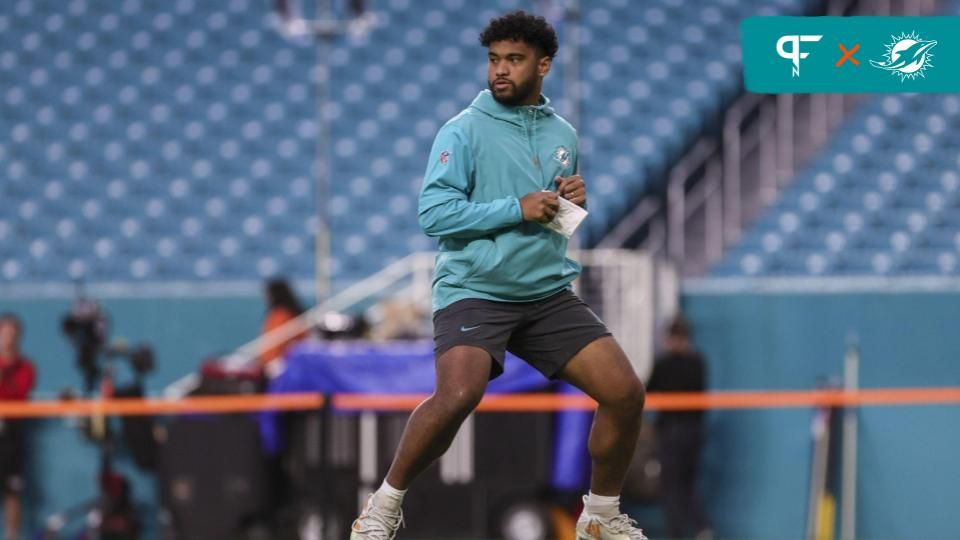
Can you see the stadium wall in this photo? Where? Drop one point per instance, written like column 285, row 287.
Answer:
column 757, row 462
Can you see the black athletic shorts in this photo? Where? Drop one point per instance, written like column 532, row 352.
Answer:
column 545, row 333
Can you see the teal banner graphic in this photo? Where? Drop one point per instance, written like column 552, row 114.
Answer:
column 851, row 54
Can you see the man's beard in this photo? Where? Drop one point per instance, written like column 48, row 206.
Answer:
column 521, row 93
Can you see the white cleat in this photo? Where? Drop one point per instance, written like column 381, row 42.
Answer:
column 376, row 523
column 621, row 527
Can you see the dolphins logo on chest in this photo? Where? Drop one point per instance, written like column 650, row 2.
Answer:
column 562, row 156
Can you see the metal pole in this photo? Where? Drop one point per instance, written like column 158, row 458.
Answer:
column 322, row 259
column 767, row 150
column 848, row 501
column 785, row 116
column 732, row 157
column 572, row 65
column 677, row 205
column 676, row 217
column 818, row 470
column 713, row 221
column 819, row 123
column 644, row 302
column 322, row 242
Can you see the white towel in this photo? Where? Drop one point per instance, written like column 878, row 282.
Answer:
column 568, row 218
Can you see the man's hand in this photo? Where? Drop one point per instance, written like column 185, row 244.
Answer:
column 572, row 189
column 541, row 206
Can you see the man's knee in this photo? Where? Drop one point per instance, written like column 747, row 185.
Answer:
column 626, row 396
column 462, row 377
column 635, row 397
column 460, row 399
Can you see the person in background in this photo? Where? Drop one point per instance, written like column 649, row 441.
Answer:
column 282, row 307
column 17, row 377
column 680, row 368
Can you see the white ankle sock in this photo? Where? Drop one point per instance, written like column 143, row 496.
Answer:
column 599, row 505
column 389, row 497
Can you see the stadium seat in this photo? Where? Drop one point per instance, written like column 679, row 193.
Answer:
column 185, row 133
column 896, row 205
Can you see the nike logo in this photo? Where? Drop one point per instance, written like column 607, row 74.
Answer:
column 466, row 329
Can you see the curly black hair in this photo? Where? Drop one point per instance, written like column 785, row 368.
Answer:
column 522, row 26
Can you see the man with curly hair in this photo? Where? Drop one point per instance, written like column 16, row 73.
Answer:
column 503, row 281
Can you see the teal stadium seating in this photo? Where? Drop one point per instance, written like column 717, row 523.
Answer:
column 170, row 140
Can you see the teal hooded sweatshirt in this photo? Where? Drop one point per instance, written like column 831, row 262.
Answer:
column 483, row 161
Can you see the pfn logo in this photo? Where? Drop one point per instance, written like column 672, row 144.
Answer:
column 794, row 54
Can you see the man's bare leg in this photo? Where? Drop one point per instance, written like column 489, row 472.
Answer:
column 603, row 372
column 462, row 375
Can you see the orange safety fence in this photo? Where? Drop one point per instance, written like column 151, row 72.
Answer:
column 676, row 401
column 490, row 403
column 150, row 406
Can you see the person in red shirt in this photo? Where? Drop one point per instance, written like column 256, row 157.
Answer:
column 282, row 307
column 17, row 377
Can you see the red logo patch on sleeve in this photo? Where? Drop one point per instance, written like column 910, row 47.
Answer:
column 444, row 157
